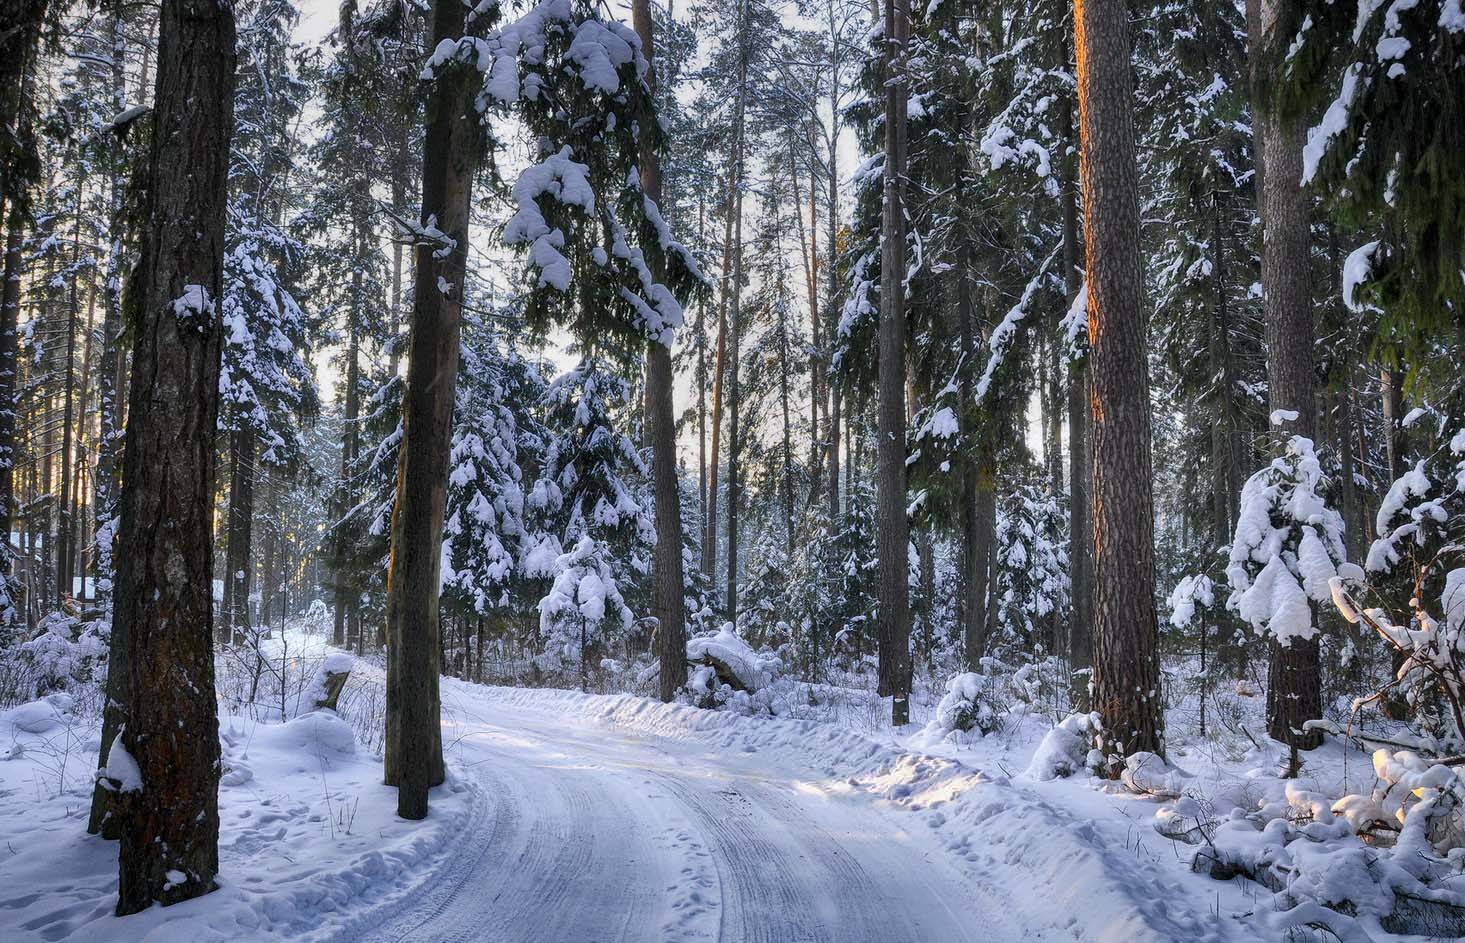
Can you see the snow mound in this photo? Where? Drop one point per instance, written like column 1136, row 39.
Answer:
column 309, row 733
column 1149, row 775
column 732, row 660
column 40, row 716
column 1066, row 749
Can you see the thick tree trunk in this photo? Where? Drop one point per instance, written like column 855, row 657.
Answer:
column 20, row 34
column 164, row 607
column 666, row 588
column 893, row 627
column 1126, row 628
column 414, row 755
column 1294, row 693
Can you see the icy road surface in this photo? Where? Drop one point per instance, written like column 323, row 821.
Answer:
column 592, row 834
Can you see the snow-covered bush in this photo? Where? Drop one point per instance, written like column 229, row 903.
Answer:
column 1392, row 855
column 1287, row 546
column 1067, row 748
column 65, row 652
column 1417, row 566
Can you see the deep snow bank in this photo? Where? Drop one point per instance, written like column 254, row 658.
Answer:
column 310, row 844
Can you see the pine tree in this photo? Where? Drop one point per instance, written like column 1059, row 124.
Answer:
column 165, row 763
column 1126, row 679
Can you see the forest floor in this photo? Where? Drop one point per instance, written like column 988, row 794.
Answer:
column 572, row 817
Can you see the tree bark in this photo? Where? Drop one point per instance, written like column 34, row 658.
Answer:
column 164, row 607
column 666, row 587
column 20, row 34
column 1126, row 628
column 414, row 755
column 893, row 627
column 1294, row 693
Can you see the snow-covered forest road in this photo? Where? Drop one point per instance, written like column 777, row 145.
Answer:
column 589, row 832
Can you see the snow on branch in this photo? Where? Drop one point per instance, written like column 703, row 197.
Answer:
column 1006, row 331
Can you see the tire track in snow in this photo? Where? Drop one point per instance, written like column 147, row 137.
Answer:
column 597, row 835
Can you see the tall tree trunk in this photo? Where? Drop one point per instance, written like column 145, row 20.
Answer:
column 709, row 523
column 414, row 754
column 787, row 479
column 1294, row 693
column 351, row 411
column 63, row 503
column 1080, row 464
column 241, row 527
column 666, row 590
column 893, row 627
column 809, row 254
column 734, row 437
column 164, row 608
column 701, row 339
column 734, row 320
column 1225, row 369
column 268, row 573
column 9, row 365
column 1126, row 628
column 110, row 381
column 831, row 277
column 1392, row 411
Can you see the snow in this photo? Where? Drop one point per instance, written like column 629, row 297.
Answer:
column 193, row 303
column 310, row 846
column 1075, row 324
column 1287, row 546
column 567, row 813
column 1190, row 592
column 728, row 648
column 122, row 771
column 1334, row 120
column 1357, row 270
column 1280, row 416
column 944, row 424
column 1066, row 749
column 558, row 176
column 1005, row 332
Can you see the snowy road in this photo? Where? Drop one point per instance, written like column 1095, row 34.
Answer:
column 592, row 833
